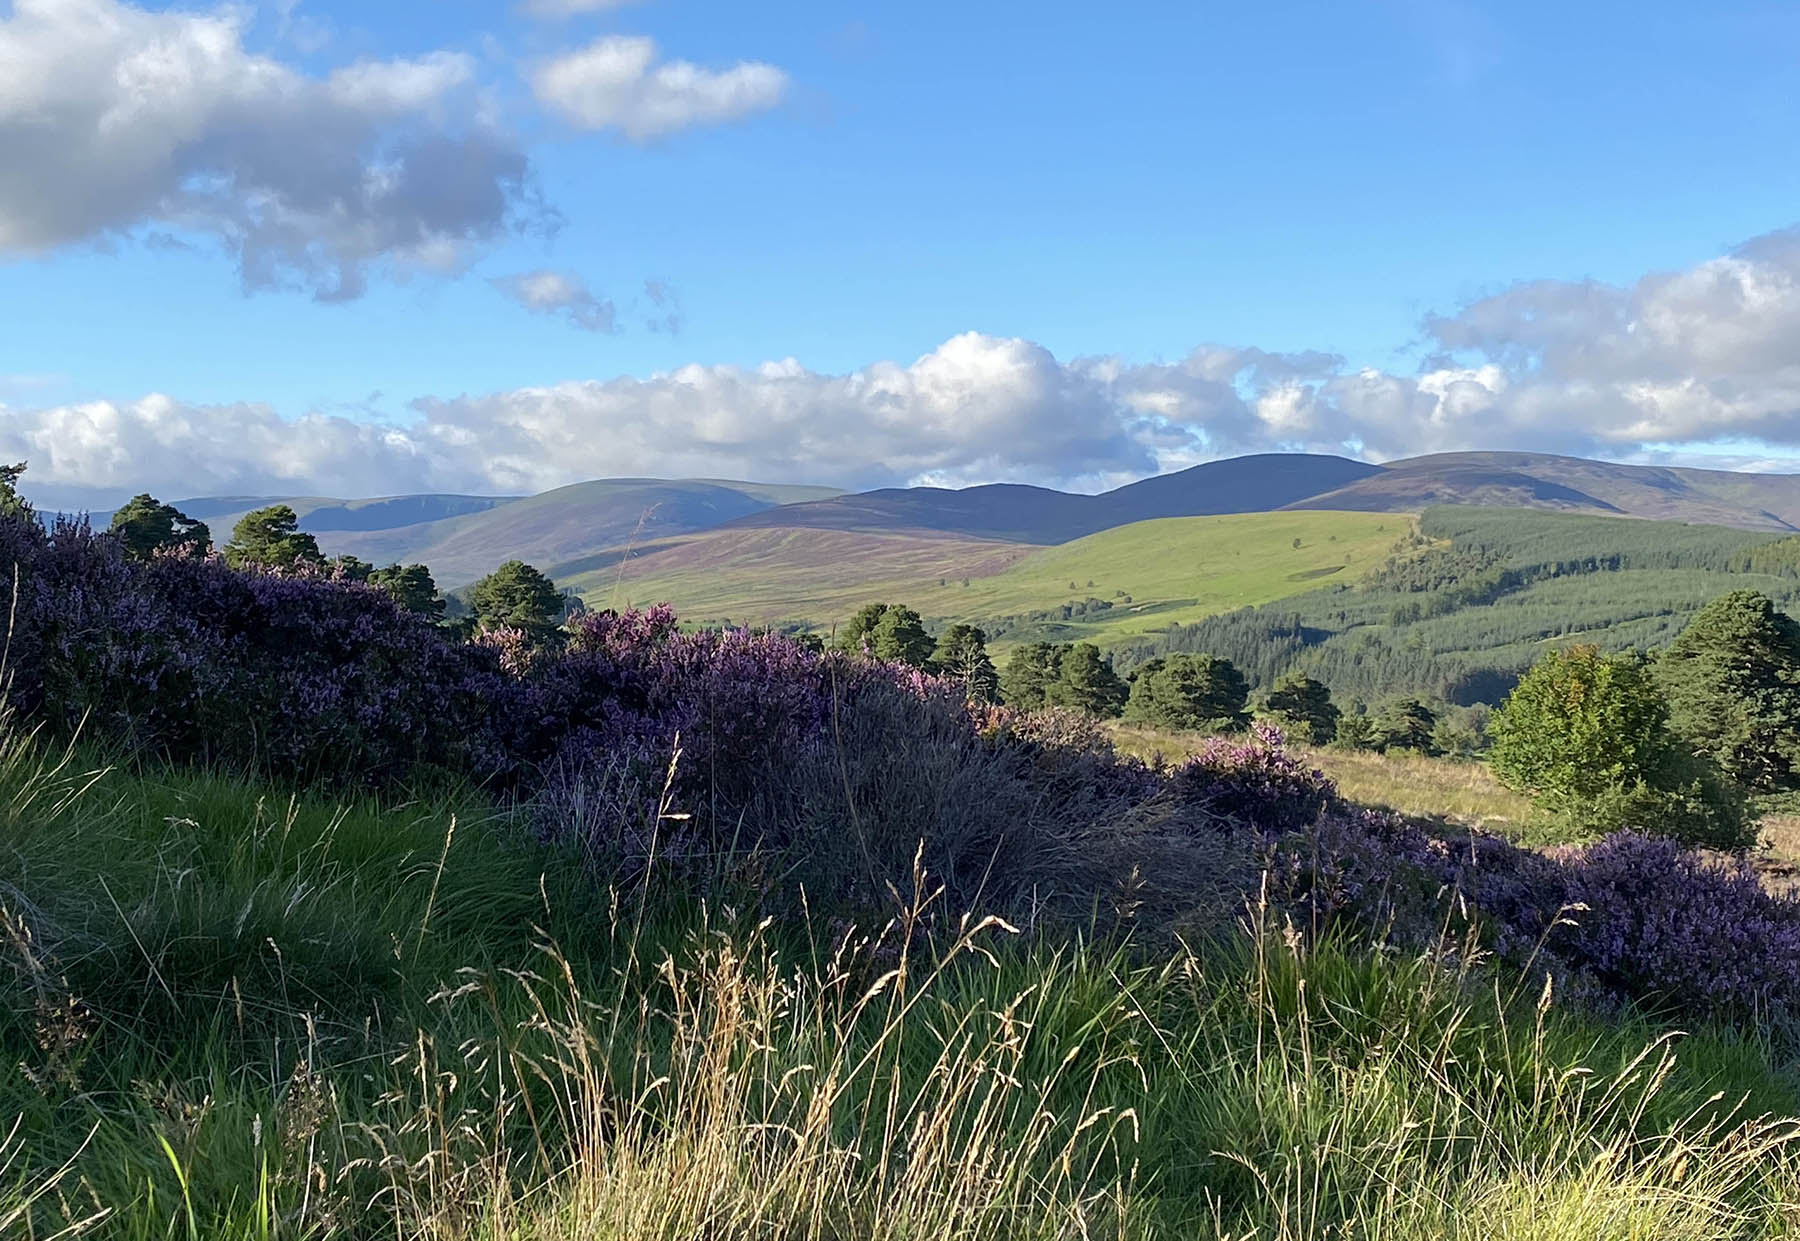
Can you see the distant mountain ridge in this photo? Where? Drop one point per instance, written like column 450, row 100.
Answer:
column 1024, row 514
column 588, row 526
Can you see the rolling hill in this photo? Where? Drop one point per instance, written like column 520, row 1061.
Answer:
column 1143, row 576
column 579, row 532
column 1544, row 481
column 462, row 537
column 1024, row 514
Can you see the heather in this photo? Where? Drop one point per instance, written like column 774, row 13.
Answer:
column 323, row 920
column 238, row 1016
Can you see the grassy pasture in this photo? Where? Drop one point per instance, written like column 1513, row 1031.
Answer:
column 1176, row 569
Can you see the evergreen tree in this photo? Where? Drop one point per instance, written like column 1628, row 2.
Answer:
column 900, row 636
column 1197, row 692
column 1086, row 681
column 352, row 568
column 12, row 504
column 856, row 631
column 1407, row 724
column 271, row 537
column 1355, row 731
column 1732, row 681
column 1300, row 703
column 888, row 631
column 1030, row 672
column 518, row 596
column 145, row 526
column 962, row 654
column 412, row 588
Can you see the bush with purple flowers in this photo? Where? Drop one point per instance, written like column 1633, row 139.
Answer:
column 649, row 747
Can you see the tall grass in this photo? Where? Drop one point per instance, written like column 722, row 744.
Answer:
column 239, row 1017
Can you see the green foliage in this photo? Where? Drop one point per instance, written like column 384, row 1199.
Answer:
column 1086, row 682
column 1030, row 672
column 961, row 653
column 1461, row 732
column 1461, row 617
column 1303, row 705
column 1406, row 724
column 271, row 537
column 1189, row 692
column 1075, row 675
column 517, row 596
column 1732, row 681
column 352, row 568
column 412, row 588
column 145, row 526
column 1355, row 731
column 12, row 504
column 889, row 631
column 1586, row 734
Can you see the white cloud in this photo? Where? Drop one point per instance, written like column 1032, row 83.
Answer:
column 115, row 118
column 1658, row 370
column 556, row 292
column 572, row 8
column 617, row 83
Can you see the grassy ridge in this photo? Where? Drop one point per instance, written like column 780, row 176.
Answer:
column 238, row 1016
column 1464, row 615
column 1174, row 569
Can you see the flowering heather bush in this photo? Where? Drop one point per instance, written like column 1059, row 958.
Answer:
column 838, row 769
column 1675, row 930
column 1255, row 781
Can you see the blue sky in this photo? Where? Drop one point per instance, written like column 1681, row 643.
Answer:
column 1047, row 241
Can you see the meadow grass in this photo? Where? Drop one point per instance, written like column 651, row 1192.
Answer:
column 1463, row 792
column 1175, row 570
column 235, row 1015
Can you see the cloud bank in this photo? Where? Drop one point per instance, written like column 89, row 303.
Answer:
column 1702, row 355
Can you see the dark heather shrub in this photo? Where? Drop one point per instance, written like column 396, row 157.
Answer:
column 1682, row 933
column 1254, row 781
column 835, row 772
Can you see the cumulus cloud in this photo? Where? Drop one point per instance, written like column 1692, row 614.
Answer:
column 1701, row 356
column 115, row 118
column 617, row 83
column 559, row 293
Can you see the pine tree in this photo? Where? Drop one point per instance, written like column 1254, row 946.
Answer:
column 517, row 596
column 271, row 537
column 1030, row 672
column 1407, row 724
column 1196, row 692
column 412, row 588
column 1732, row 681
column 1303, row 704
column 145, row 525
column 1087, row 682
column 961, row 653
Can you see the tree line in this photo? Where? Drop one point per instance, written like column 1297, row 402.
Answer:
column 515, row 595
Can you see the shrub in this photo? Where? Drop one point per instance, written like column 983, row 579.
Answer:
column 1255, row 782
column 1587, row 735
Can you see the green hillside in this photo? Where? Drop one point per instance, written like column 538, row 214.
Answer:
column 1485, row 591
column 1149, row 574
